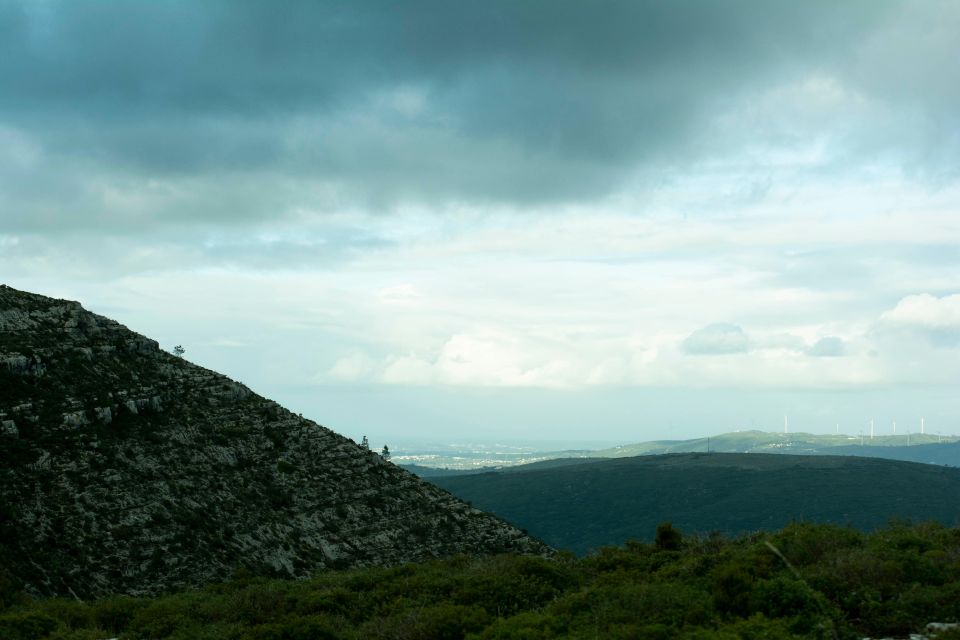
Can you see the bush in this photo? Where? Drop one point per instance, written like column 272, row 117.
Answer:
column 528, row 625
column 449, row 622
column 667, row 538
column 26, row 626
column 732, row 590
column 307, row 628
column 70, row 613
column 889, row 583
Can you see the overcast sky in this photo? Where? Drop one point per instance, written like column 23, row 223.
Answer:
column 599, row 221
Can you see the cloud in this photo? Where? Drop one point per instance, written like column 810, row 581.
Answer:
column 146, row 114
column 936, row 319
column 828, row 347
column 716, row 339
column 352, row 368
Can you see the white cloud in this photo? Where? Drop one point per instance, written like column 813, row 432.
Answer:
column 927, row 311
column 828, row 347
column 402, row 294
column 407, row 369
column 352, row 368
column 935, row 319
column 716, row 339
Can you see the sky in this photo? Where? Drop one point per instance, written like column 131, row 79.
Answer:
column 550, row 221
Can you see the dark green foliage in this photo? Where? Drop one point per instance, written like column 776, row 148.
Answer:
column 298, row 628
column 732, row 587
column 582, row 507
column 114, row 614
column 667, row 538
column 810, row 581
column 26, row 626
column 10, row 592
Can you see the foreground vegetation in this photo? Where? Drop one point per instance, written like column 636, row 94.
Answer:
column 815, row 581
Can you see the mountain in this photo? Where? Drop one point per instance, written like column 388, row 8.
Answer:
column 126, row 469
column 591, row 504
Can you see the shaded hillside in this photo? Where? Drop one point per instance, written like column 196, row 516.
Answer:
column 585, row 506
column 947, row 453
column 127, row 469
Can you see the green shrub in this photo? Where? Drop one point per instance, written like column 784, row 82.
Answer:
column 732, row 590
column 529, row 625
column 667, row 538
column 305, row 628
column 10, row 593
column 758, row 627
column 449, row 622
column 26, row 626
column 886, row 584
column 78, row 634
column 70, row 613
column 507, row 585
column 783, row 597
column 338, row 601
column 804, row 543
column 168, row 616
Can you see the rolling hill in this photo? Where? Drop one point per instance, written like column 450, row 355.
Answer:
column 752, row 441
column 584, row 506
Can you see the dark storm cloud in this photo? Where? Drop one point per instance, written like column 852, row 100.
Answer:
column 383, row 102
column 134, row 59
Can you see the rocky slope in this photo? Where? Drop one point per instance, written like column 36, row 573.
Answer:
column 128, row 470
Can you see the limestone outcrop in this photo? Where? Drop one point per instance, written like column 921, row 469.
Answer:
column 126, row 469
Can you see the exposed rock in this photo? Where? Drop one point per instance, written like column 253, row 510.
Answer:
column 128, row 470
column 9, row 428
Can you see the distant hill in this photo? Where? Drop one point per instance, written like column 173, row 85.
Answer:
column 947, row 453
column 433, row 472
column 126, row 469
column 915, row 447
column 778, row 442
column 590, row 504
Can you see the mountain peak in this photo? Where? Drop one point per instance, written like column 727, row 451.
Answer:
column 130, row 470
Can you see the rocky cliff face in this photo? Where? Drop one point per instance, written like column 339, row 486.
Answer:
column 128, row 470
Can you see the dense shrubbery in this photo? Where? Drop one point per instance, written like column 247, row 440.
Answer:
column 806, row 580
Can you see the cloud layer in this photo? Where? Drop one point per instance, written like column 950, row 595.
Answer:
column 500, row 195
column 134, row 116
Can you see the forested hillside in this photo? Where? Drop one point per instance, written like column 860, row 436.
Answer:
column 584, row 506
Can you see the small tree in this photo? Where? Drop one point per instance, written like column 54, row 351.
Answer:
column 668, row 538
column 385, row 454
column 179, row 351
column 365, row 444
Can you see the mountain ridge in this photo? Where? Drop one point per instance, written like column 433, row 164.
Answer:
column 131, row 470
